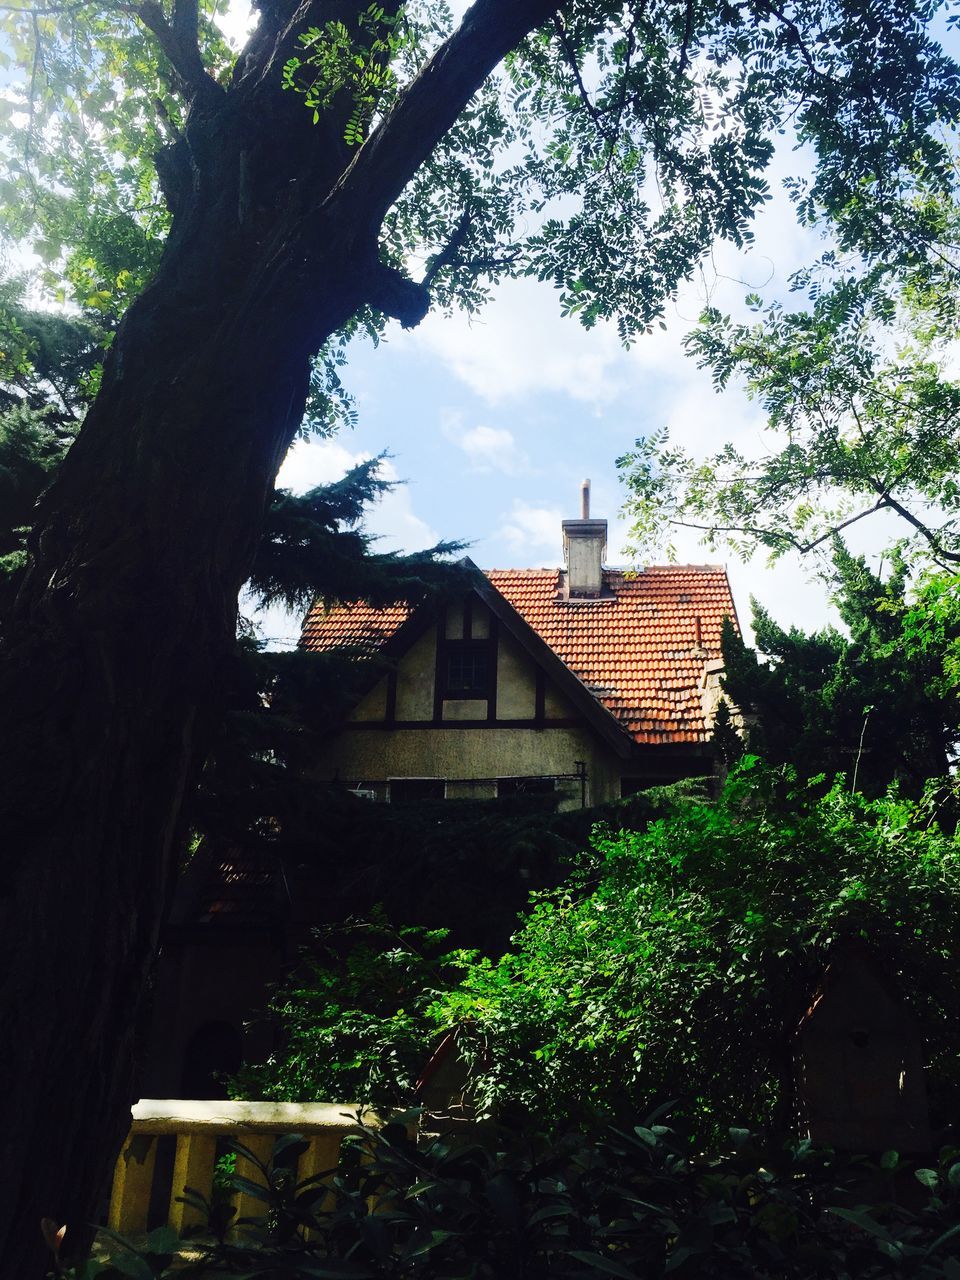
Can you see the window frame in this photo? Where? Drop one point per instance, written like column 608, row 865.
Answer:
column 479, row 691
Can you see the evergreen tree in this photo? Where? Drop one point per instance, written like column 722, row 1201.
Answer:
column 48, row 370
column 879, row 704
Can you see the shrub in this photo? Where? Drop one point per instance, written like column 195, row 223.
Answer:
column 679, row 961
column 632, row 1202
column 675, row 962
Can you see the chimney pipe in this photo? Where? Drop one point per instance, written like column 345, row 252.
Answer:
column 584, row 542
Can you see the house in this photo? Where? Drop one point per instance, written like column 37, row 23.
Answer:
column 587, row 681
column 583, row 682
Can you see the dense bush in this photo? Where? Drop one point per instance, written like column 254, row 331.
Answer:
column 466, row 866
column 355, row 1016
column 675, row 963
column 679, row 961
column 632, row 1202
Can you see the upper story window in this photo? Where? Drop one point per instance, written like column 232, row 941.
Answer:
column 468, row 669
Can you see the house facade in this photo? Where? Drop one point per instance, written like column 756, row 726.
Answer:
column 587, row 681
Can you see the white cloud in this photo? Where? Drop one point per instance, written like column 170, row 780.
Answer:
column 313, row 462
column 533, row 531
column 393, row 521
column 527, row 349
column 489, row 448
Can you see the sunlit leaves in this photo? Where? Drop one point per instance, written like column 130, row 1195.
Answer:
column 856, row 425
column 359, row 64
column 678, row 962
column 620, row 141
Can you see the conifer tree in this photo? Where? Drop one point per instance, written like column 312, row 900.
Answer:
column 878, row 704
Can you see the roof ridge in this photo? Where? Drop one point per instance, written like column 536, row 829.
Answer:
column 619, row 568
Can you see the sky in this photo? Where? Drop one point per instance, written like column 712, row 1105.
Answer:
column 492, row 422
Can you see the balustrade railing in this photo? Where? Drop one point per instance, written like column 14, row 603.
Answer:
column 197, row 1126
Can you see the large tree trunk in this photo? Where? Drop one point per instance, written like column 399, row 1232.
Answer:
column 121, row 638
column 115, row 656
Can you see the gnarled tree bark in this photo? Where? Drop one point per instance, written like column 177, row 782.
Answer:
column 114, row 659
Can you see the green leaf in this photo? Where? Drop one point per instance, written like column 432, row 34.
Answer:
column 600, row 1262
column 862, row 1220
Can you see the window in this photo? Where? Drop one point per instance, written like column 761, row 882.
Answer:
column 416, row 790
column 468, row 671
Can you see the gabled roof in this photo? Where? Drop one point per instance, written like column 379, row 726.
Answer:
column 639, row 652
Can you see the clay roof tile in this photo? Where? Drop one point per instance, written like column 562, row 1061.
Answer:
column 640, row 647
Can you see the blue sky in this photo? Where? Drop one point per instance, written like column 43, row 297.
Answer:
column 494, row 420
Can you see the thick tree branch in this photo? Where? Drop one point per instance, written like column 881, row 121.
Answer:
column 396, row 295
column 180, row 47
column 450, row 253
column 186, row 21
column 429, row 106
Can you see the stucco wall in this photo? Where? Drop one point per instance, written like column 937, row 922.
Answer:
column 516, row 682
column 359, row 756
column 415, row 679
column 470, row 756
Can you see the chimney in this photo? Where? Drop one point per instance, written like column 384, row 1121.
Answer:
column 584, row 542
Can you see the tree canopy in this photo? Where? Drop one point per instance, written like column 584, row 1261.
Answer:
column 861, row 403
column 615, row 144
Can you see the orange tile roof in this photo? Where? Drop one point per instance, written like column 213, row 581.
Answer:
column 640, row 651
column 351, row 626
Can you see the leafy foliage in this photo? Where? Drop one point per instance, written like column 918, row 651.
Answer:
column 861, row 414
column 634, row 1202
column 618, row 143
column 880, row 705
column 354, row 1016
column 679, row 960
column 340, row 61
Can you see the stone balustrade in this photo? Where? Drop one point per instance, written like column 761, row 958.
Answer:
column 197, row 1127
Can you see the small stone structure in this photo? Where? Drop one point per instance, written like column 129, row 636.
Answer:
column 860, row 1061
